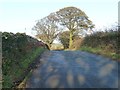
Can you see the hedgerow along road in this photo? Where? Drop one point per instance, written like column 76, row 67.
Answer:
column 74, row 69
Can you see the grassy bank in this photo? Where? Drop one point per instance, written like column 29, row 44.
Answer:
column 101, row 51
column 17, row 72
column 19, row 51
column 105, row 43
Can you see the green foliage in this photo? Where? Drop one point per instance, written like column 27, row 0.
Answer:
column 106, row 39
column 64, row 39
column 105, row 43
column 19, row 51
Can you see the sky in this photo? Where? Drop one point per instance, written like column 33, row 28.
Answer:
column 21, row 15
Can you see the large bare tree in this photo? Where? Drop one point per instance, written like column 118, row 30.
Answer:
column 74, row 20
column 47, row 29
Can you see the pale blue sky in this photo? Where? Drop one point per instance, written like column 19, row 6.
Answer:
column 16, row 15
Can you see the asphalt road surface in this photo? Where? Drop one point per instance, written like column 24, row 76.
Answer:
column 74, row 69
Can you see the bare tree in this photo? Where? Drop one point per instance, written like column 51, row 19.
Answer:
column 47, row 29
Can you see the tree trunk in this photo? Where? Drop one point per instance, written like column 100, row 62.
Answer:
column 71, row 40
column 49, row 46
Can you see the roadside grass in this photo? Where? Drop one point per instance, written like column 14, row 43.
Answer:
column 23, row 83
column 17, row 71
column 101, row 51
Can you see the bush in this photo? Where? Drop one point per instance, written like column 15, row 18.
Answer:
column 107, row 42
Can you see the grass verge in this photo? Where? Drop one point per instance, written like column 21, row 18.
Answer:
column 23, row 83
column 100, row 51
column 18, row 71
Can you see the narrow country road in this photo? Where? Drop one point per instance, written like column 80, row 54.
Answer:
column 74, row 69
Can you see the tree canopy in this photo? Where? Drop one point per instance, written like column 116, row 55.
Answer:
column 74, row 20
column 47, row 30
column 70, row 18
